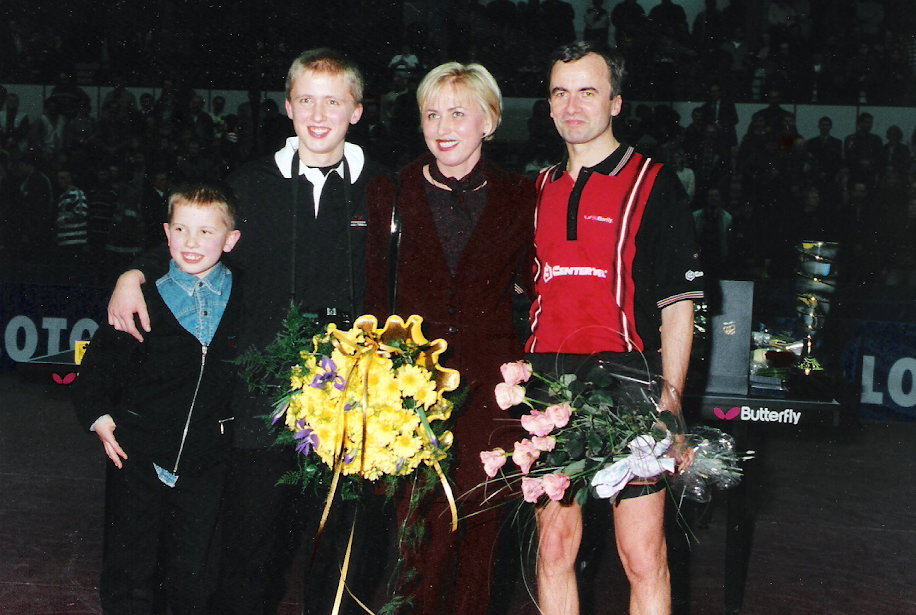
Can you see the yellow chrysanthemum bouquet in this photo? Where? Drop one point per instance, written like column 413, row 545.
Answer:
column 364, row 403
column 369, row 402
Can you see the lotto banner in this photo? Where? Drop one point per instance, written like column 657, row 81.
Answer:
column 881, row 357
column 41, row 320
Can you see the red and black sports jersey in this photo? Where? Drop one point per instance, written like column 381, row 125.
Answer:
column 612, row 250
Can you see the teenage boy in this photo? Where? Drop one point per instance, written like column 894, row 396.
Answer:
column 168, row 401
column 304, row 219
column 617, row 273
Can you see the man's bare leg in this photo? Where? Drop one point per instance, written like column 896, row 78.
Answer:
column 559, row 535
column 639, row 529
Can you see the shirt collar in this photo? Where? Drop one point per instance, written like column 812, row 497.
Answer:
column 353, row 153
column 215, row 281
column 610, row 166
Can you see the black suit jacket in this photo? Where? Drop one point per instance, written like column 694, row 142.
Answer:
column 828, row 156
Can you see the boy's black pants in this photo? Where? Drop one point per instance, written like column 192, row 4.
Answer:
column 145, row 519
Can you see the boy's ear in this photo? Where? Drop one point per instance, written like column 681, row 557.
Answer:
column 357, row 113
column 165, row 229
column 231, row 240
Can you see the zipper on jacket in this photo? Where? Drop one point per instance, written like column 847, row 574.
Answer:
column 187, row 423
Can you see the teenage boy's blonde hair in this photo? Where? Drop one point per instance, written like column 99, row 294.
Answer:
column 328, row 62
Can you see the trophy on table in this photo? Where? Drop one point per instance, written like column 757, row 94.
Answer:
column 815, row 284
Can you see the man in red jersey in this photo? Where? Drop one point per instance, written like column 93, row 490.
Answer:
column 616, row 276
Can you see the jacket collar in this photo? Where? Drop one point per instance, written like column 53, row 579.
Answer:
column 215, row 282
column 353, row 153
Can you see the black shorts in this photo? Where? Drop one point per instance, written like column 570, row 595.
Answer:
column 634, row 490
column 635, row 365
column 632, row 365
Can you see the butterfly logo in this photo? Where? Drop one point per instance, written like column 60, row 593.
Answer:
column 726, row 415
column 65, row 380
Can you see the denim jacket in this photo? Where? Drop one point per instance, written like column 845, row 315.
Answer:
column 197, row 303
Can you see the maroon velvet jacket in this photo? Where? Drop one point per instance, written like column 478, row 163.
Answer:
column 472, row 311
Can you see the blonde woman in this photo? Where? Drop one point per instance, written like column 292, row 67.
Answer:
column 465, row 242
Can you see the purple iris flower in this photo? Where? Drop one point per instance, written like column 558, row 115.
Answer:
column 348, row 457
column 329, row 375
column 307, row 440
column 319, row 380
column 280, row 413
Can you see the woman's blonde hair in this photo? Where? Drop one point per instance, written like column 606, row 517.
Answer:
column 476, row 79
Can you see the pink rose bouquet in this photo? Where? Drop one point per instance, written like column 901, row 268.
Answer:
column 594, row 435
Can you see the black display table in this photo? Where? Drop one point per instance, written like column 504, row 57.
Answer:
column 56, row 369
column 748, row 419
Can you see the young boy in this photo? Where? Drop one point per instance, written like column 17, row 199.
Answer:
column 168, row 400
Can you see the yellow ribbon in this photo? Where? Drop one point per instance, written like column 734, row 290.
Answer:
column 343, row 572
column 378, row 342
column 448, row 494
column 338, row 459
column 342, row 583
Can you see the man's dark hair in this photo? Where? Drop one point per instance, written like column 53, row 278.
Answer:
column 578, row 50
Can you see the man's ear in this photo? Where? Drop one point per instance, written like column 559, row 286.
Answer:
column 616, row 105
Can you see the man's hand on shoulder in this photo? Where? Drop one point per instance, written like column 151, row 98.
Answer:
column 127, row 300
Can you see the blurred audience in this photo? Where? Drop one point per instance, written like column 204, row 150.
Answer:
column 775, row 183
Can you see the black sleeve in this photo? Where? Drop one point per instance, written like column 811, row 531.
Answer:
column 153, row 263
column 97, row 389
column 380, row 195
column 671, row 240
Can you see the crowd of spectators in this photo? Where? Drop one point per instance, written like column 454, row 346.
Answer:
column 91, row 192
column 822, row 51
column 814, row 51
column 88, row 189
column 757, row 195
